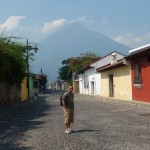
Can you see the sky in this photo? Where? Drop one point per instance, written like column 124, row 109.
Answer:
column 126, row 21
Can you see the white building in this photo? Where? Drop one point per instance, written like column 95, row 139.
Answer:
column 90, row 79
column 89, row 82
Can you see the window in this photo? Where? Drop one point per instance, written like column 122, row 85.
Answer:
column 138, row 69
column 86, row 82
column 36, row 84
column 138, row 76
column 148, row 57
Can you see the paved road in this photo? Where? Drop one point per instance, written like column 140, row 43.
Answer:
column 99, row 125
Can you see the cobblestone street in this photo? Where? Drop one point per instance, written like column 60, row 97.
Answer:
column 99, row 125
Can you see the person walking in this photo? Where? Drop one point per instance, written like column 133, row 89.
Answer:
column 68, row 106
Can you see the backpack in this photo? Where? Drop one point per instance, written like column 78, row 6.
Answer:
column 61, row 103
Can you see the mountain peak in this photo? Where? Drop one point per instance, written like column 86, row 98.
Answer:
column 69, row 41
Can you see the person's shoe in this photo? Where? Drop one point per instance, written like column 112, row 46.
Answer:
column 67, row 131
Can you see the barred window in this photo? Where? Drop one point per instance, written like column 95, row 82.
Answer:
column 148, row 57
column 86, row 82
column 138, row 72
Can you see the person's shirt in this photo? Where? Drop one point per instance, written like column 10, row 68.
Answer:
column 68, row 98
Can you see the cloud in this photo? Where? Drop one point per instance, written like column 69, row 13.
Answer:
column 133, row 40
column 83, row 19
column 52, row 26
column 104, row 20
column 12, row 26
column 11, row 23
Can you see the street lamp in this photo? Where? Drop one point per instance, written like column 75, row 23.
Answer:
column 28, row 49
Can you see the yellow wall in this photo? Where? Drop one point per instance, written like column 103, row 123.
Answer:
column 122, row 83
column 76, row 86
column 24, row 90
column 104, row 84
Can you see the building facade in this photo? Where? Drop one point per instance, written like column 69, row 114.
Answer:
column 140, row 70
column 24, row 89
column 89, row 82
column 116, row 80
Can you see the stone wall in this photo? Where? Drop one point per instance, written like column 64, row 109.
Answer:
column 8, row 94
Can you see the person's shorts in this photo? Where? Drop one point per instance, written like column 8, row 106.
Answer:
column 69, row 116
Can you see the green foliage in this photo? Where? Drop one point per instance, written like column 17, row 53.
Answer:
column 13, row 64
column 75, row 64
column 65, row 73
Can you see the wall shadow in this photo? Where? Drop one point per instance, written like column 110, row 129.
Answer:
column 13, row 126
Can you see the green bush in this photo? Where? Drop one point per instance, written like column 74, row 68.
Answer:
column 13, row 64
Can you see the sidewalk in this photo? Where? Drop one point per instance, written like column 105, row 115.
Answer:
column 117, row 100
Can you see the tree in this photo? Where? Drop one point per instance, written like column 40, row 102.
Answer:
column 13, row 64
column 75, row 64
column 65, row 72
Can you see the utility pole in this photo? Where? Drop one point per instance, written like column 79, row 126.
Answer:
column 28, row 73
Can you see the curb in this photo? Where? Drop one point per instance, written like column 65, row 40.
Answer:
column 118, row 100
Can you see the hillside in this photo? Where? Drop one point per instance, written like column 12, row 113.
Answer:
column 71, row 41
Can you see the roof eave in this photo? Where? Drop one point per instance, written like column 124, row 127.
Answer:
column 110, row 66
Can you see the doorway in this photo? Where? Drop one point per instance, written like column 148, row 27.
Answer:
column 111, row 85
column 92, row 87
